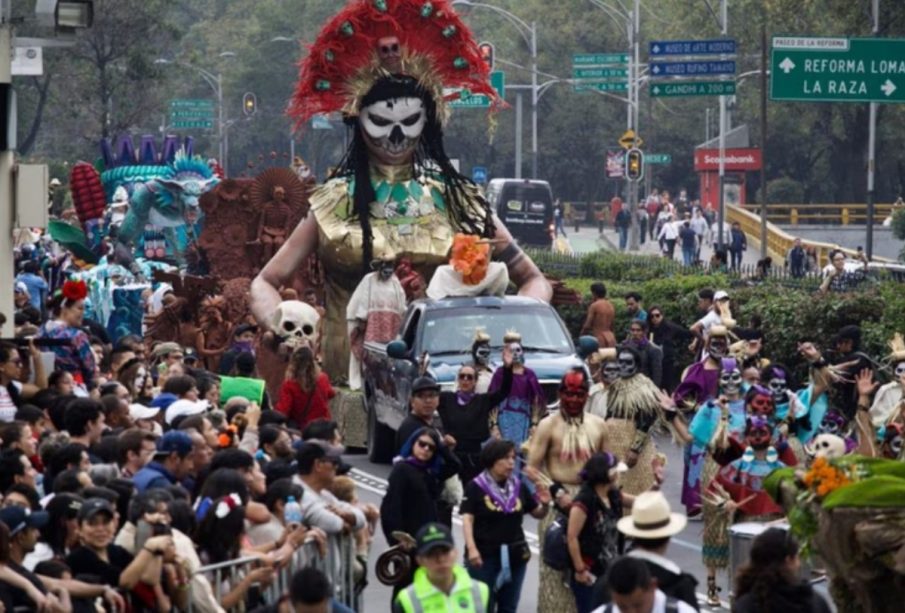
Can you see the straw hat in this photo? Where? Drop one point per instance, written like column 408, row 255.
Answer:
column 651, row 518
column 604, row 354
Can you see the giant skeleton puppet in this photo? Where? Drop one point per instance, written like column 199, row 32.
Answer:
column 384, row 64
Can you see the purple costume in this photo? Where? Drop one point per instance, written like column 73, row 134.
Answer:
column 699, row 384
column 516, row 410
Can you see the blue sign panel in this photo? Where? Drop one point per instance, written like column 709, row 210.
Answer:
column 691, row 69
column 479, row 174
column 693, row 47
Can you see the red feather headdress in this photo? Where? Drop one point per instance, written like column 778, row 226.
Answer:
column 435, row 47
column 74, row 291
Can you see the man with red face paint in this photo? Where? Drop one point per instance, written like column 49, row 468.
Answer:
column 559, row 449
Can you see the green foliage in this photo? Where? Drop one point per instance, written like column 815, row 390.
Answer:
column 898, row 224
column 789, row 314
column 784, row 190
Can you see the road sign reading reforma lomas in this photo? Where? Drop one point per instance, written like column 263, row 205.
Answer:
column 812, row 69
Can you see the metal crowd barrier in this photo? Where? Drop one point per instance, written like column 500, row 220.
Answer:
column 338, row 565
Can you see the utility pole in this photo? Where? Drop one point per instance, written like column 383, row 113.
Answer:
column 634, row 88
column 721, row 214
column 872, row 148
column 7, row 159
column 534, row 98
column 763, row 135
column 518, row 135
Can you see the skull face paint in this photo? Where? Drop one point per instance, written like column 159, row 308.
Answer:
column 730, row 378
column 900, row 372
column 628, row 365
column 392, row 128
column 386, row 270
column 518, row 354
column 832, row 423
column 892, row 441
column 718, row 347
column 611, row 371
column 481, row 354
column 779, row 387
column 573, row 394
column 761, row 405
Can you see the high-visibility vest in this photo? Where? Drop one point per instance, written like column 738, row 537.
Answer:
column 252, row 389
column 468, row 595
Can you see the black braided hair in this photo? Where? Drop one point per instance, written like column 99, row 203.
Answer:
column 429, row 154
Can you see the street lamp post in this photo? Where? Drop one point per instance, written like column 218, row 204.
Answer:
column 216, row 83
column 529, row 34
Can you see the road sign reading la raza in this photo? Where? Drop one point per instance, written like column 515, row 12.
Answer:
column 813, row 69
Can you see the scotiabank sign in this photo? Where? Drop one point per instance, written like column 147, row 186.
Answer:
column 736, row 159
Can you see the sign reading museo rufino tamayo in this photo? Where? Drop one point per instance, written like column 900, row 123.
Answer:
column 811, row 69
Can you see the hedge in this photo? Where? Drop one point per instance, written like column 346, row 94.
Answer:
column 789, row 314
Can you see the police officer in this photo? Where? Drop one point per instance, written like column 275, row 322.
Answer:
column 440, row 583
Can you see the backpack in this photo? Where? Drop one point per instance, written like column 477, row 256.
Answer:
column 555, row 551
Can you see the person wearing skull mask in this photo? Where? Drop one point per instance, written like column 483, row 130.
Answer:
column 604, row 372
column 564, row 441
column 699, row 383
column 480, row 360
column 385, row 66
column 518, row 413
column 891, row 441
column 714, row 424
column 374, row 313
column 802, row 409
column 633, row 407
column 651, row 354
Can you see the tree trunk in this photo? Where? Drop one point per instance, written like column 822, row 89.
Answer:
column 43, row 90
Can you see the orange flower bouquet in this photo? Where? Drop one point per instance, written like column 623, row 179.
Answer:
column 470, row 258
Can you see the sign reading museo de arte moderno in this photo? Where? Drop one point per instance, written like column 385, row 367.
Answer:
column 812, row 69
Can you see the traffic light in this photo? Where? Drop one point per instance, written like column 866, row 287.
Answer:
column 634, row 165
column 249, row 104
column 486, row 50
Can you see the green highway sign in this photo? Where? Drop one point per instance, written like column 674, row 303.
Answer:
column 815, row 69
column 599, row 73
column 192, row 114
column 191, row 103
column 200, row 124
column 611, row 86
column 480, row 101
column 657, row 158
column 692, row 88
column 595, row 59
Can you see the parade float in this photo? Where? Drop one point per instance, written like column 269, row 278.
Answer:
column 849, row 514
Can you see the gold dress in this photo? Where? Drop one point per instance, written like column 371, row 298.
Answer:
column 408, row 219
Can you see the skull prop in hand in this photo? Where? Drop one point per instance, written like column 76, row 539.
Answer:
column 828, row 446
column 295, row 323
column 392, row 128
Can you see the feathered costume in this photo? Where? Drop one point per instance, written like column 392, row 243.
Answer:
column 411, row 210
column 633, row 408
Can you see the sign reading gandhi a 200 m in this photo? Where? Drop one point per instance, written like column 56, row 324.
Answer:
column 838, row 69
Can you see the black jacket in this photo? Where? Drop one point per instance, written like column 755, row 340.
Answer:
column 412, row 497
column 469, row 424
column 784, row 598
column 680, row 586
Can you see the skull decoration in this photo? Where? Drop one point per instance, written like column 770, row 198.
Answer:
column 392, row 128
column 295, row 322
column 892, row 441
column 730, row 378
column 611, row 371
column 628, row 364
column 827, row 446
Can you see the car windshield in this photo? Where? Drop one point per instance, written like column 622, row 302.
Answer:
column 451, row 331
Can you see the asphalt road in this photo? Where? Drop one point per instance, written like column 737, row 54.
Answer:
column 684, row 551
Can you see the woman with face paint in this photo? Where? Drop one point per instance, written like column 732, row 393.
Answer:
column 480, row 360
column 385, row 66
column 699, row 383
column 714, row 424
column 605, row 372
column 890, row 395
column 466, row 415
column 518, row 413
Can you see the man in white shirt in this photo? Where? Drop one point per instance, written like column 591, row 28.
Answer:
column 634, row 590
column 317, row 462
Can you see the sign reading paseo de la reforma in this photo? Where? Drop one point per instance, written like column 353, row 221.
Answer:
column 812, row 69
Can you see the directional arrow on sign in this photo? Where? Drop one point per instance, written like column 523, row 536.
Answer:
column 888, row 88
column 656, row 48
column 656, row 69
column 656, row 89
column 787, row 65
